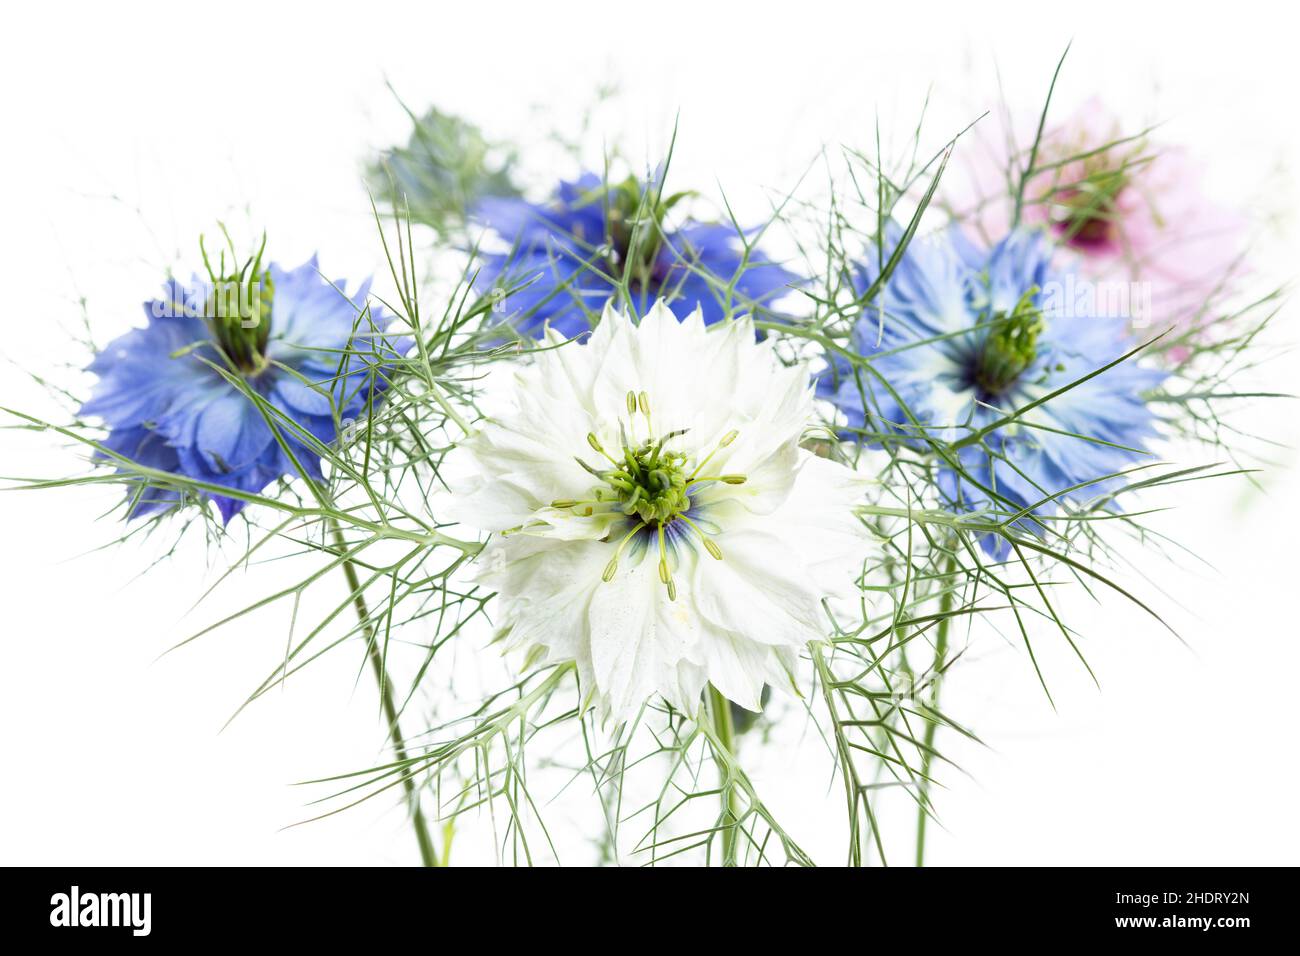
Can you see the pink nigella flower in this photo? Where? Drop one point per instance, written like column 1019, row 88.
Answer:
column 1128, row 212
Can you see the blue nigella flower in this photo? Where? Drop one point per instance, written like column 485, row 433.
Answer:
column 1013, row 330
column 576, row 247
column 314, row 354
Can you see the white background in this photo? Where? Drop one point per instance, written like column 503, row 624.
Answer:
column 128, row 133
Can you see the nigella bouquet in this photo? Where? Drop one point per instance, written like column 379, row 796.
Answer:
column 649, row 490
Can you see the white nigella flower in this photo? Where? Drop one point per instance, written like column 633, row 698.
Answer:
column 657, row 521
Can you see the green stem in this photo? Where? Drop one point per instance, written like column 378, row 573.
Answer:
column 720, row 711
column 427, row 855
column 447, row 409
column 932, row 725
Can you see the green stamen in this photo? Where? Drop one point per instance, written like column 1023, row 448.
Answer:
column 727, row 439
column 726, row 479
column 1011, row 347
column 709, row 546
column 238, row 309
column 612, row 568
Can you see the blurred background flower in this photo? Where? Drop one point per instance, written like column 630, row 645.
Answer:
column 593, row 239
column 1123, row 206
column 443, row 170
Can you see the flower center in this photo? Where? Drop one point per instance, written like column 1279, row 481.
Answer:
column 650, row 482
column 1011, row 346
column 651, row 486
column 1085, row 215
column 238, row 309
column 634, row 220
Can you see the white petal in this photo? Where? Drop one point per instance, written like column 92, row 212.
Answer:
column 738, row 668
